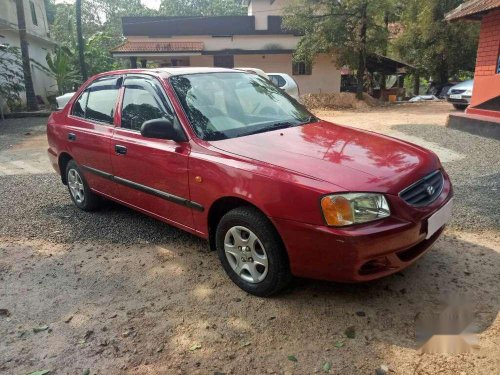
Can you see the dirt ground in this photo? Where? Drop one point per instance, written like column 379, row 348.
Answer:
column 116, row 292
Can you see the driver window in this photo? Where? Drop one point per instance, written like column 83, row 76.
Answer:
column 143, row 100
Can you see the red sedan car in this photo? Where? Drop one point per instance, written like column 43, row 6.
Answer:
column 229, row 157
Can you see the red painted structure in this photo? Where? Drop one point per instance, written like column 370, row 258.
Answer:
column 284, row 173
column 486, row 93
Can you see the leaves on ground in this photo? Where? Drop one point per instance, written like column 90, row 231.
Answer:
column 292, row 358
column 327, row 367
column 86, row 372
column 245, row 343
column 40, row 328
column 195, row 347
column 339, row 344
column 39, row 372
column 350, row 332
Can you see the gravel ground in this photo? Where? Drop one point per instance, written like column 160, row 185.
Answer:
column 476, row 177
column 117, row 292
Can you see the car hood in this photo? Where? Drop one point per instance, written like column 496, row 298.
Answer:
column 351, row 159
column 463, row 85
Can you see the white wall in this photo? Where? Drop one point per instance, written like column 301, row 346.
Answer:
column 38, row 42
column 325, row 75
column 260, row 9
column 8, row 14
column 43, row 83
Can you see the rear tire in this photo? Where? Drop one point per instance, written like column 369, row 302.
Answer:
column 79, row 189
column 252, row 252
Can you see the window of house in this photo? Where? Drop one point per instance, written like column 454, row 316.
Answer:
column 224, row 61
column 33, row 13
column 143, row 100
column 97, row 102
column 301, row 68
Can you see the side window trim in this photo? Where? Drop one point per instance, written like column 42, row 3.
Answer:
column 86, row 90
column 145, row 77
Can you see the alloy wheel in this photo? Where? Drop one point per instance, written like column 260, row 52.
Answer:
column 246, row 254
column 76, row 187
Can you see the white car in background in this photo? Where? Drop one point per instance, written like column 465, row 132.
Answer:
column 460, row 94
column 63, row 99
column 286, row 83
column 257, row 71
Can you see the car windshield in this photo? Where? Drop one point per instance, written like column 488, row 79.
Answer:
column 235, row 104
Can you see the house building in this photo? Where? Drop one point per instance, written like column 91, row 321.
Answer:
column 39, row 42
column 483, row 114
column 256, row 40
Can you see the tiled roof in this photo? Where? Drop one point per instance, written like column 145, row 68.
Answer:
column 472, row 8
column 137, row 46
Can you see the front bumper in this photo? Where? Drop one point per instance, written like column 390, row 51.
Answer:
column 362, row 252
column 463, row 100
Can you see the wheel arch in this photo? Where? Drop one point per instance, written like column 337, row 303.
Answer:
column 62, row 162
column 222, row 206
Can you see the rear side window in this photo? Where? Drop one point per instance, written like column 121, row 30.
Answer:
column 143, row 100
column 278, row 80
column 97, row 102
column 80, row 105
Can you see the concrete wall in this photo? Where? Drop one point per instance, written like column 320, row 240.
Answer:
column 38, row 42
column 325, row 75
column 8, row 15
column 263, row 8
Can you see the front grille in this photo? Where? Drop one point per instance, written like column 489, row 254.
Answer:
column 424, row 191
column 456, row 91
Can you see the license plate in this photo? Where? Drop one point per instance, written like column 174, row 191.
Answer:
column 455, row 96
column 439, row 218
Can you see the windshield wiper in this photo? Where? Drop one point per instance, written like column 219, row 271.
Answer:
column 275, row 126
column 309, row 120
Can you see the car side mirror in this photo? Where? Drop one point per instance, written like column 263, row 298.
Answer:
column 162, row 128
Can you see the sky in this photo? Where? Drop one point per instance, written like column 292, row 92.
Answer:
column 154, row 4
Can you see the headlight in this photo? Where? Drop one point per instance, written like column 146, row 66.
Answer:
column 468, row 92
column 353, row 208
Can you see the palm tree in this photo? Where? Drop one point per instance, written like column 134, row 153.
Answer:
column 31, row 102
column 79, row 36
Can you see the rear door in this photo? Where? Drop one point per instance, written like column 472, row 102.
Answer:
column 91, row 129
column 152, row 173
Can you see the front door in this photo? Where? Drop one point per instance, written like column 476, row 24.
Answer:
column 91, row 129
column 152, row 173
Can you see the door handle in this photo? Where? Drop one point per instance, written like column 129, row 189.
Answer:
column 71, row 137
column 120, row 150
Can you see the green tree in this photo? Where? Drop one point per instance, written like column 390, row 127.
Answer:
column 61, row 67
column 350, row 29
column 202, row 8
column 11, row 75
column 31, row 102
column 440, row 50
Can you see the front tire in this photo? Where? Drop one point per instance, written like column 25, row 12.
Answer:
column 79, row 189
column 460, row 107
column 252, row 252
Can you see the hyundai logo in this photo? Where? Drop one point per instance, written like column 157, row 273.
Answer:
column 430, row 189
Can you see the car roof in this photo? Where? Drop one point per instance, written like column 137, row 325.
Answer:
column 169, row 71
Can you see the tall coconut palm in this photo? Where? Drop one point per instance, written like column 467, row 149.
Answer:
column 79, row 36
column 31, row 102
